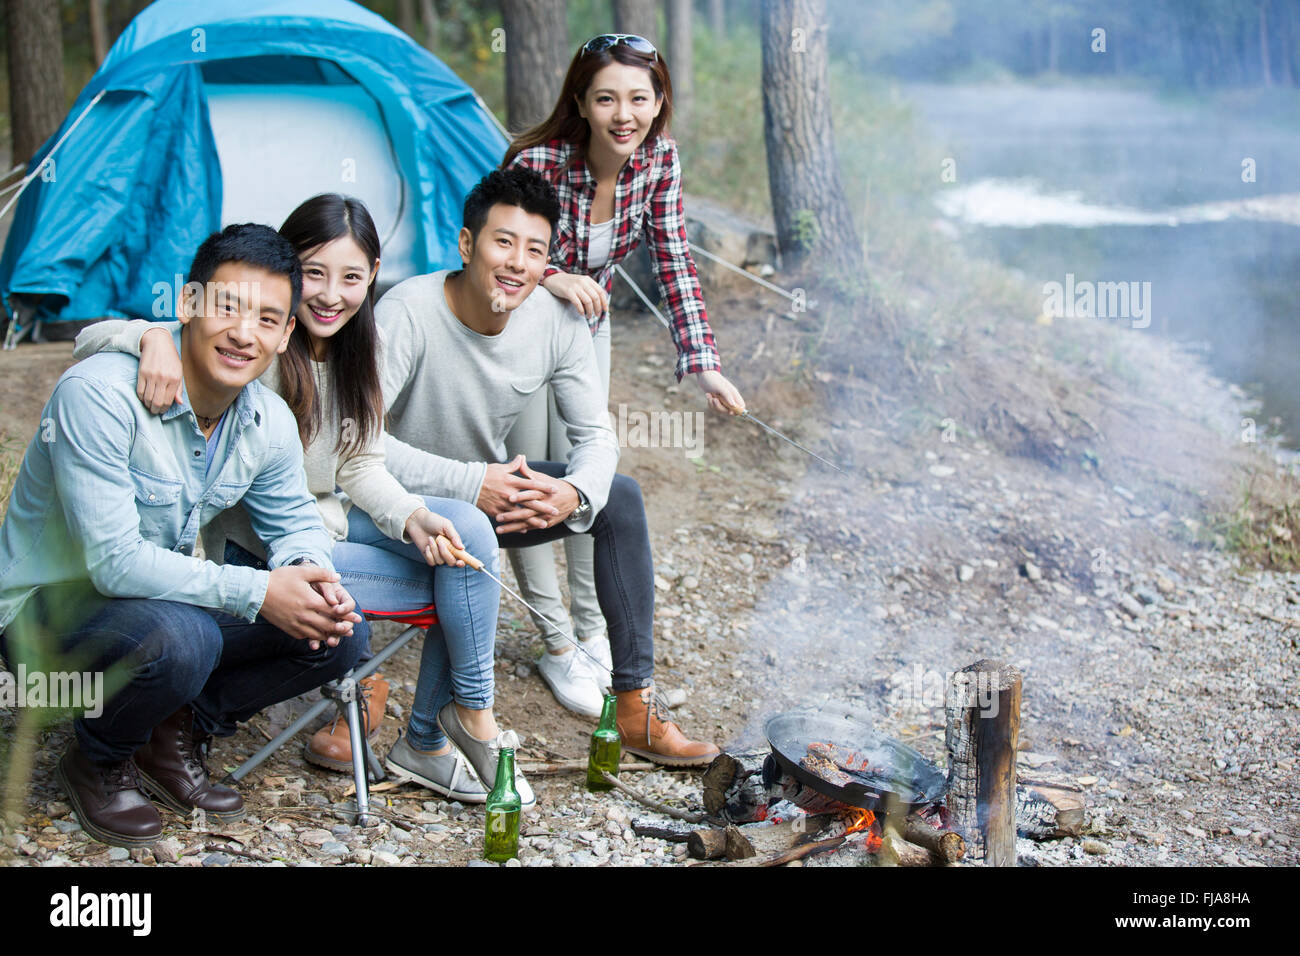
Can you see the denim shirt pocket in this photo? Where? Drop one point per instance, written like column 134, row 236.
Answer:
column 157, row 500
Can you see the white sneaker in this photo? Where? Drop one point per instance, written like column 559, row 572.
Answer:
column 572, row 682
column 598, row 647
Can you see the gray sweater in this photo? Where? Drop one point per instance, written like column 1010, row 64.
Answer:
column 453, row 394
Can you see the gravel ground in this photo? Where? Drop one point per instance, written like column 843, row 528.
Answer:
column 1158, row 672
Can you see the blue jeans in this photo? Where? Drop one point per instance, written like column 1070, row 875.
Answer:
column 161, row 655
column 388, row 577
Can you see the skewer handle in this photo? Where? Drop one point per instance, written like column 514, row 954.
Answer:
column 460, row 553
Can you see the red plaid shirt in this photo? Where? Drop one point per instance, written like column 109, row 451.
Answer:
column 647, row 199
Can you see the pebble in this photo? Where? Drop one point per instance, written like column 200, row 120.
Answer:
column 522, row 671
column 964, row 573
column 216, row 859
column 1032, row 571
column 67, row 826
column 1130, row 606
column 167, row 850
column 314, row 837
column 675, row 697
column 119, row 854
column 1095, row 847
column 334, row 848
column 341, row 830
column 384, row 858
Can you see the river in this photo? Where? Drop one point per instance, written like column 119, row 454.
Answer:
column 1193, row 206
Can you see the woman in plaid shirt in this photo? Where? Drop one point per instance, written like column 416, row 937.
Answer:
column 606, row 149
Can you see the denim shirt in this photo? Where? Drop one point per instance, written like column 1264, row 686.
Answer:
column 112, row 493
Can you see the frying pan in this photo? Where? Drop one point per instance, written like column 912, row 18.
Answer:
column 896, row 773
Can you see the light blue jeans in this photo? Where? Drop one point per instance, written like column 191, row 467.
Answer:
column 389, row 577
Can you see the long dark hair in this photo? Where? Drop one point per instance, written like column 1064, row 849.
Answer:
column 353, row 364
column 566, row 123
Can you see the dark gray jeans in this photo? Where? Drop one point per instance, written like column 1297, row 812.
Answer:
column 625, row 574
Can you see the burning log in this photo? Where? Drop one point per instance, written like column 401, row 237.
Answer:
column 734, row 789
column 983, row 725
column 946, row 846
column 896, row 851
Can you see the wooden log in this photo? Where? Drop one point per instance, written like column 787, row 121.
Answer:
column 946, row 846
column 982, row 717
column 1049, row 813
column 707, row 844
column 673, row 831
column 896, row 851
column 736, row 845
column 733, row 787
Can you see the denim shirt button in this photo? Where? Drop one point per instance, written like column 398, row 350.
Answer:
column 153, row 497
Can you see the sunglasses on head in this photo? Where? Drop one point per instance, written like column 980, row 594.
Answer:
column 633, row 42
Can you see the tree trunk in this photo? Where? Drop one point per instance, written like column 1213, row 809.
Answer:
column 429, row 18
column 537, row 54
column 98, row 31
column 406, row 17
column 718, row 17
column 637, row 16
column 681, row 58
column 36, row 99
column 813, row 223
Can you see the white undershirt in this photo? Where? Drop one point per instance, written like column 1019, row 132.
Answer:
column 600, row 241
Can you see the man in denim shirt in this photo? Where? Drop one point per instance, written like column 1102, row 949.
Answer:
column 96, row 551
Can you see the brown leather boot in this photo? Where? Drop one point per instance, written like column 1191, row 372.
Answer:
column 647, row 729
column 108, row 800
column 174, row 769
column 331, row 746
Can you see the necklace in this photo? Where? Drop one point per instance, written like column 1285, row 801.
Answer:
column 205, row 422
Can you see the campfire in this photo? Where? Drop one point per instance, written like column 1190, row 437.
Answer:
column 830, row 783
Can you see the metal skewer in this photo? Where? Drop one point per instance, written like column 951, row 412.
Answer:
column 478, row 565
column 744, row 413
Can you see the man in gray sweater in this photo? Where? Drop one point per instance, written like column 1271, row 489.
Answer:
column 463, row 353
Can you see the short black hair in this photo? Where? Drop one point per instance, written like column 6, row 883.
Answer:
column 251, row 243
column 516, row 186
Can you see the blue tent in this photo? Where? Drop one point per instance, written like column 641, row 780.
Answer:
column 224, row 111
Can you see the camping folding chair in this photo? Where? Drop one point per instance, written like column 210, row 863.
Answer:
column 343, row 693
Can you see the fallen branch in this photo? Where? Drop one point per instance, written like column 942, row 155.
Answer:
column 247, row 854
column 651, row 802
column 798, row 852
column 575, row 766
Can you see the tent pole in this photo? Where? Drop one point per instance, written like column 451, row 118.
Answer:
column 27, row 180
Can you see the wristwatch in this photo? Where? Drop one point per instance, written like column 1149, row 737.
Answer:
column 583, row 509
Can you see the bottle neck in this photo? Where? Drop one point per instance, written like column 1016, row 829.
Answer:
column 609, row 713
column 505, row 770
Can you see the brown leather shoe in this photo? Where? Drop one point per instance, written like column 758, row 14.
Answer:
column 331, row 747
column 647, row 730
column 109, row 803
column 173, row 769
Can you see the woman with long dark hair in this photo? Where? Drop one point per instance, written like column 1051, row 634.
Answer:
column 386, row 551
column 607, row 150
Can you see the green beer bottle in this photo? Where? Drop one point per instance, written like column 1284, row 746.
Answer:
column 501, row 838
column 605, row 747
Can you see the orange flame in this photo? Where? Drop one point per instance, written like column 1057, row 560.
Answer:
column 858, row 820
